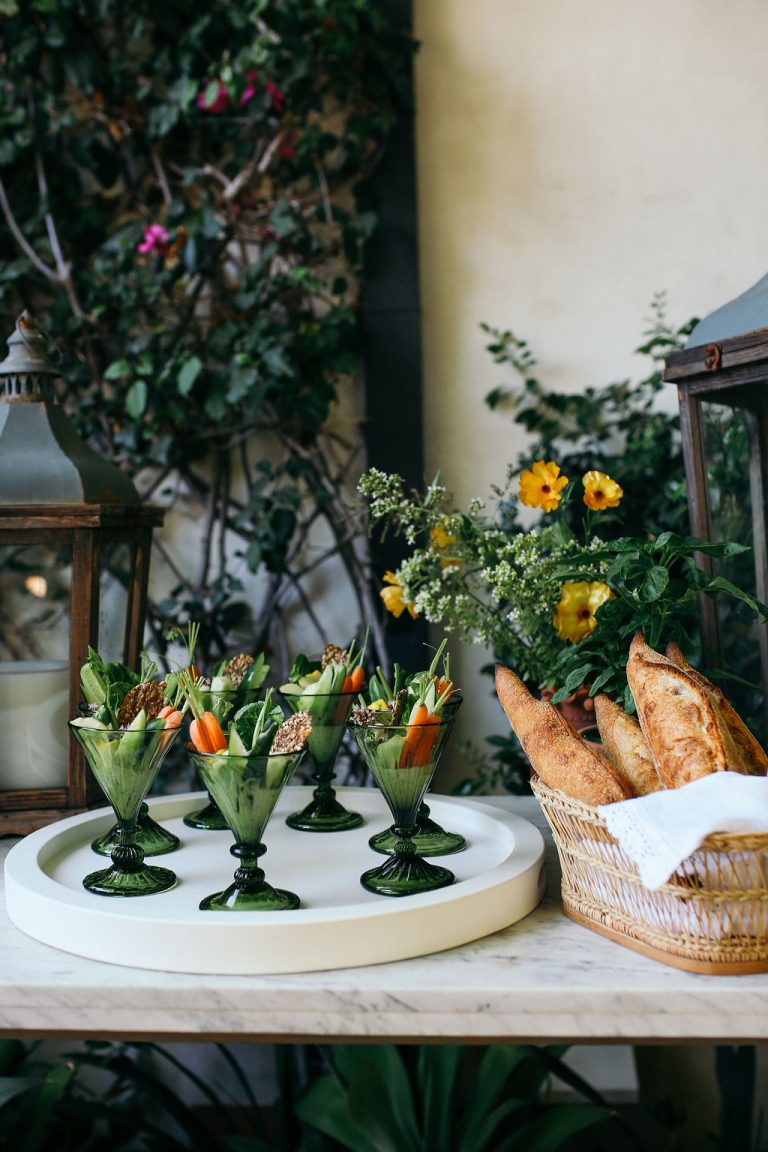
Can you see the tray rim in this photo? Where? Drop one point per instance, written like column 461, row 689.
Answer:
column 71, row 921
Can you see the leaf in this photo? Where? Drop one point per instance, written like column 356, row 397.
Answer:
column 437, row 1070
column 12, row 1086
column 189, row 372
column 492, row 1081
column 576, row 677
column 655, row 584
column 136, row 399
column 34, row 1119
column 599, row 680
column 477, row 1136
column 325, row 1107
column 549, row 1131
column 117, row 370
column 720, row 584
column 381, row 1102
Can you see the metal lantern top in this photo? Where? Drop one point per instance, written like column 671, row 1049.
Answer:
column 726, row 357
column 26, row 372
column 42, row 458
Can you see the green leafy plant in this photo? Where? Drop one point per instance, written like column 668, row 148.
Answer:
column 182, row 187
column 379, row 1098
column 560, row 602
column 619, row 428
column 656, row 582
column 115, row 1096
column 561, row 608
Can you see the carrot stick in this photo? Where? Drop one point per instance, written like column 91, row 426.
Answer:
column 354, row 682
column 172, row 719
column 410, row 755
column 206, row 734
column 166, row 711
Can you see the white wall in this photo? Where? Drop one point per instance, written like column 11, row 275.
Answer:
column 574, row 158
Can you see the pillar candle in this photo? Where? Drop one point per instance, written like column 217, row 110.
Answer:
column 34, row 704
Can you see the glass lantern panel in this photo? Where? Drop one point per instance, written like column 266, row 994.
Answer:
column 34, row 661
column 731, row 453
column 113, row 600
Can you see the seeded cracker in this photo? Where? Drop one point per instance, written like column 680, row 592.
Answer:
column 237, row 668
column 292, row 734
column 149, row 695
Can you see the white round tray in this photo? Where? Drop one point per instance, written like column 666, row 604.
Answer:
column 340, row 924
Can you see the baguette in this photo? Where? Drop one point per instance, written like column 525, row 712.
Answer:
column 625, row 746
column 743, row 752
column 677, row 718
column 558, row 754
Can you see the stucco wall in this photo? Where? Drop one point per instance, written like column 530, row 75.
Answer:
column 574, row 158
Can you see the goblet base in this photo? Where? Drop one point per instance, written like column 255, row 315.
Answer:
column 405, row 876
column 324, row 815
column 145, row 881
column 237, row 899
column 207, row 819
column 151, row 837
column 428, row 841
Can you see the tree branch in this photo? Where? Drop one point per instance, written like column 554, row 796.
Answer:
column 21, row 240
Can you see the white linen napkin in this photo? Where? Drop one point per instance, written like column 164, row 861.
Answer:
column 657, row 832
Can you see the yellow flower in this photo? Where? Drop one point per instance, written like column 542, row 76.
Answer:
column 541, row 485
column 393, row 598
column 575, row 614
column 600, row 491
column 440, row 539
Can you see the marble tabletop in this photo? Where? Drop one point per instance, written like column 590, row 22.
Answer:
column 543, row 980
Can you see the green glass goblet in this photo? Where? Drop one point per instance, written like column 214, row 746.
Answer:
column 125, row 763
column 246, row 789
column 402, row 759
column 329, row 712
column 431, row 839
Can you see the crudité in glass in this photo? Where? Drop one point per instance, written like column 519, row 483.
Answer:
column 405, row 716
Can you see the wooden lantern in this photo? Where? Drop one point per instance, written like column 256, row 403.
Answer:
column 56, row 492
column 725, row 363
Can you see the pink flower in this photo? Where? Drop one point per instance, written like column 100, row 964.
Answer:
column 155, row 239
column 220, row 102
column 250, row 89
column 276, row 96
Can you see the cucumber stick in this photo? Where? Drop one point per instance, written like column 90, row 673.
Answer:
column 94, row 688
column 132, row 742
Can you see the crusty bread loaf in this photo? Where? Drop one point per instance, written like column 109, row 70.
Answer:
column 743, row 752
column 677, row 719
column 557, row 753
column 625, row 746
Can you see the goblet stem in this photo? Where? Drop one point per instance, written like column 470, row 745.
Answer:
column 249, row 877
column 250, row 889
column 128, row 875
column 405, row 872
column 324, row 813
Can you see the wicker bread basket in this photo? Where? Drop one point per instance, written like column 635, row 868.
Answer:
column 711, row 916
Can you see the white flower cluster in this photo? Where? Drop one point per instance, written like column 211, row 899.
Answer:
column 467, row 573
